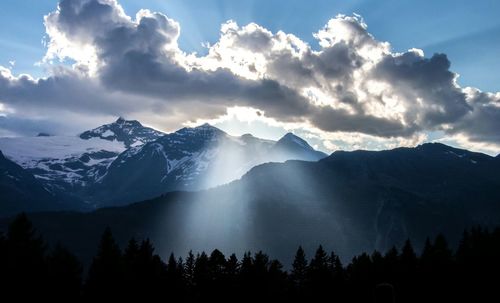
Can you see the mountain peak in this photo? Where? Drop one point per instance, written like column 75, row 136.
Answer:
column 204, row 128
column 208, row 127
column 290, row 135
column 290, row 138
column 434, row 145
column 130, row 132
column 123, row 122
column 441, row 148
column 293, row 144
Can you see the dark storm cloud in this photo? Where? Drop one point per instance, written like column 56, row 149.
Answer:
column 354, row 83
column 67, row 90
column 428, row 79
column 482, row 124
column 328, row 119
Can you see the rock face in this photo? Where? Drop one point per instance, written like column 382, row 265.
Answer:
column 130, row 132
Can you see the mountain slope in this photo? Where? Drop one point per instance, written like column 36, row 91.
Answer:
column 20, row 190
column 349, row 202
column 192, row 159
column 123, row 161
column 68, row 165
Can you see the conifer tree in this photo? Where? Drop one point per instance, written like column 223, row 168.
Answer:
column 201, row 276
column 299, row 269
column 64, row 275
column 189, row 269
column 232, row 266
column 318, row 272
column 106, row 274
column 26, row 267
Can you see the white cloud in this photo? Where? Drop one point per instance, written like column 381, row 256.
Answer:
column 353, row 89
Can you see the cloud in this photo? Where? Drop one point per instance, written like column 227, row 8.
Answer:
column 352, row 84
column 482, row 123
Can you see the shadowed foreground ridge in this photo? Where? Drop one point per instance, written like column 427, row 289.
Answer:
column 29, row 270
column 350, row 202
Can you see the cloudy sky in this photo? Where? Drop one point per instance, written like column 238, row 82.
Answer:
column 367, row 74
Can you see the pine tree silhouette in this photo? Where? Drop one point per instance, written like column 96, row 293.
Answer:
column 298, row 274
column 277, row 280
column 189, row 269
column 391, row 265
column 217, row 265
column 25, row 267
column 319, row 274
column 152, row 272
column 338, row 287
column 407, row 274
column 64, row 275
column 201, row 276
column 232, row 282
column 106, row 274
column 232, row 266
column 28, row 272
column 361, row 277
column 175, row 282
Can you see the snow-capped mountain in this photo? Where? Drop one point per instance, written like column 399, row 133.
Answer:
column 124, row 161
column 129, row 132
column 70, row 164
column 193, row 159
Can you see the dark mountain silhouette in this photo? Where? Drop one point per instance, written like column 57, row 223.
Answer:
column 20, row 190
column 350, row 202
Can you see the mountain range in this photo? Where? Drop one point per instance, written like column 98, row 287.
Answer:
column 349, row 202
column 124, row 162
column 203, row 189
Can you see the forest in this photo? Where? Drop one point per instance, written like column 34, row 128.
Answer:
column 31, row 269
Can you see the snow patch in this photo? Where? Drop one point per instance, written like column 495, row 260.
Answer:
column 108, row 133
column 28, row 151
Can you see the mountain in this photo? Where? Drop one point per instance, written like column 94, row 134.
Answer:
column 130, row 132
column 192, row 159
column 350, row 202
column 68, row 165
column 21, row 190
column 124, row 161
column 293, row 147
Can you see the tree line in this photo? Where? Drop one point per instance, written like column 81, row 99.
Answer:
column 29, row 270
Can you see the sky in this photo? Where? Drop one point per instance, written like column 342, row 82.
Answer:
column 341, row 74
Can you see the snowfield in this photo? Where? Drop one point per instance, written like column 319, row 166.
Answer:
column 29, row 151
